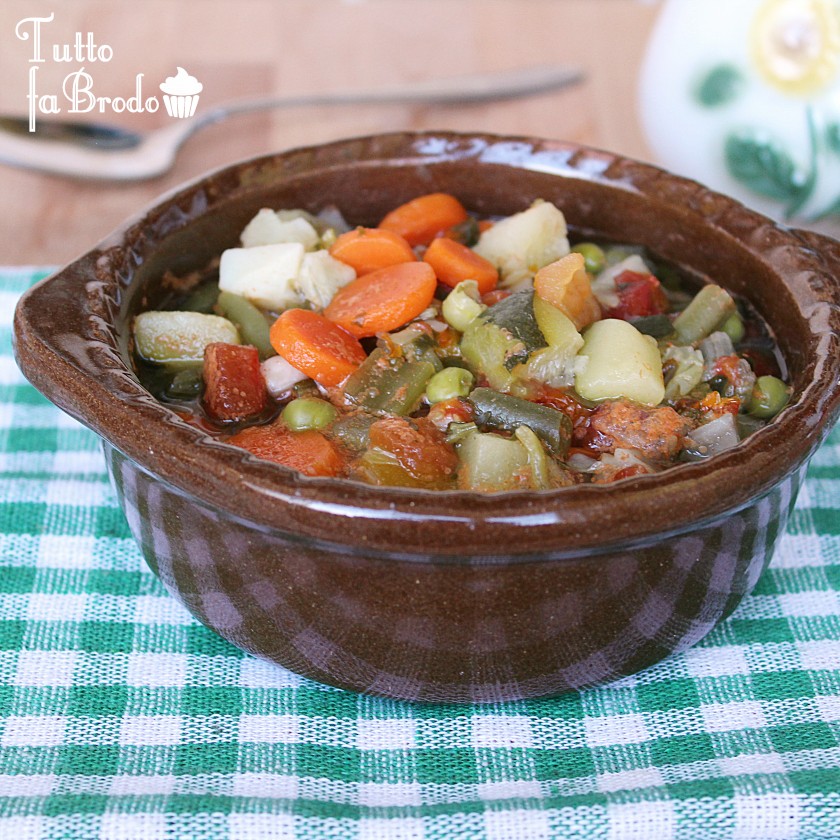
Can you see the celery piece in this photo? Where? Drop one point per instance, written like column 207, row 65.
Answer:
column 387, row 384
column 491, row 463
column 538, row 462
column 502, row 412
column 688, row 372
column 710, row 307
column 252, row 324
column 180, row 336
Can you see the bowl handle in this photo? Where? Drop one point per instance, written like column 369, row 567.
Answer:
column 62, row 344
column 827, row 292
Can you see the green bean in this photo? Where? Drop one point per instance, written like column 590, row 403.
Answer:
column 594, row 258
column 658, row 326
column 386, row 385
column 770, row 395
column 711, row 306
column 449, row 383
column 505, row 413
column 202, row 298
column 353, row 430
column 306, row 413
column 253, row 327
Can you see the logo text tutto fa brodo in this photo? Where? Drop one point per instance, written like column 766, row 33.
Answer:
column 77, row 94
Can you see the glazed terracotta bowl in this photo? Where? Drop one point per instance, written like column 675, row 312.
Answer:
column 444, row 596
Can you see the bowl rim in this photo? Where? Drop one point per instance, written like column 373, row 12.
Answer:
column 79, row 367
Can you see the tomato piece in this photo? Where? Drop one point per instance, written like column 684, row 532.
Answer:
column 494, row 296
column 309, row 452
column 578, row 413
column 418, row 447
column 456, row 410
column 639, row 295
column 234, row 387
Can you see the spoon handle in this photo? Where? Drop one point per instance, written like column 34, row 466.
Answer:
column 481, row 87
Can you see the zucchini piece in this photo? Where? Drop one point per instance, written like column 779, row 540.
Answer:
column 168, row 336
column 538, row 461
column 491, row 463
column 502, row 412
column 620, row 362
column 556, row 326
column 553, row 365
column 503, row 337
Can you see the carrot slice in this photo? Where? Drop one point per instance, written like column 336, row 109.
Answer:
column 369, row 249
column 316, row 346
column 307, row 452
column 383, row 300
column 453, row 262
column 565, row 284
column 422, row 219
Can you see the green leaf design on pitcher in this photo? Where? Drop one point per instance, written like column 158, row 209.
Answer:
column 763, row 166
column 767, row 168
column 721, row 85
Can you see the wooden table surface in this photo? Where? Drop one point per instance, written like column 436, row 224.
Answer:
column 257, row 47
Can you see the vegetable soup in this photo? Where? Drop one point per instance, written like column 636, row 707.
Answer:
column 444, row 351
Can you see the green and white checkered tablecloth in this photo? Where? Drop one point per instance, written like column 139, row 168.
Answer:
column 122, row 717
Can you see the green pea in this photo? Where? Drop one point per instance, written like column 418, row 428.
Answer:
column 733, row 326
column 462, row 305
column 594, row 258
column 449, row 383
column 307, row 413
column 770, row 395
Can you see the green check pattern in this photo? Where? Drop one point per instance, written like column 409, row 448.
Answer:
column 121, row 717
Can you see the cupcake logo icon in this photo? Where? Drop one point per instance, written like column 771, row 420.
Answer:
column 180, row 94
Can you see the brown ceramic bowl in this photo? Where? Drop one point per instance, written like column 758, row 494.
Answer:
column 444, row 596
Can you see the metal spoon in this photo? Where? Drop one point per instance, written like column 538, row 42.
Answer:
column 93, row 150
